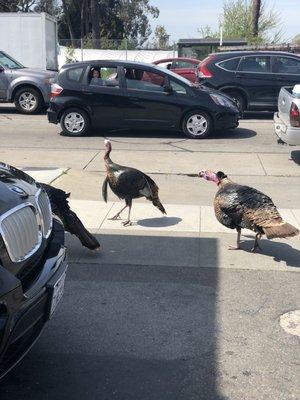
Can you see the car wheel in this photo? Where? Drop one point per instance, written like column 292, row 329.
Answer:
column 75, row 122
column 239, row 99
column 197, row 124
column 28, row 100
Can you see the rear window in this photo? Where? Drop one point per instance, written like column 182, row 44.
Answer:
column 258, row 64
column 230, row 65
column 75, row 74
column 183, row 64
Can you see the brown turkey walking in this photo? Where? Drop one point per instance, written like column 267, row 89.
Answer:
column 238, row 206
column 128, row 184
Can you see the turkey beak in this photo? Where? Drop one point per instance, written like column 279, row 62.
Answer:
column 201, row 174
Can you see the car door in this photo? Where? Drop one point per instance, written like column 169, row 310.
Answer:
column 186, row 69
column 255, row 77
column 105, row 96
column 148, row 104
column 286, row 71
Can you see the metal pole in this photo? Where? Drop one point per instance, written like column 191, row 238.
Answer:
column 126, row 48
column 174, row 47
column 81, row 47
column 221, row 35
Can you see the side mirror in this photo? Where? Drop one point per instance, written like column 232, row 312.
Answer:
column 168, row 89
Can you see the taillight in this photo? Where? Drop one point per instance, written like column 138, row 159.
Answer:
column 204, row 72
column 55, row 90
column 295, row 115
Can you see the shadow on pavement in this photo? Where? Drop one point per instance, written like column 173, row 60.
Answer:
column 136, row 332
column 279, row 251
column 159, row 222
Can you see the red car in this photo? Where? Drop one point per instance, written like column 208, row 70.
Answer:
column 186, row 67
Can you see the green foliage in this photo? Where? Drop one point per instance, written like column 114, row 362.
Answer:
column 161, row 38
column 237, row 23
column 296, row 39
column 70, row 55
column 207, row 33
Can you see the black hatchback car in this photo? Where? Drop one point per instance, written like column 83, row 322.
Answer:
column 32, row 264
column 121, row 95
column 252, row 78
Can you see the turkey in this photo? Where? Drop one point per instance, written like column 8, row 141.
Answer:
column 238, row 206
column 59, row 205
column 128, row 184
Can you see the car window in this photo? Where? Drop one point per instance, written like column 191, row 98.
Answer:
column 165, row 64
column 230, row 65
column 9, row 62
column 286, row 65
column 75, row 74
column 180, row 89
column 255, row 64
column 183, row 64
column 104, row 76
column 139, row 79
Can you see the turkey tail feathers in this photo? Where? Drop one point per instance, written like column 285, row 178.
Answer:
column 283, row 230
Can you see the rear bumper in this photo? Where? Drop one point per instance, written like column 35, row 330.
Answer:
column 27, row 313
column 286, row 133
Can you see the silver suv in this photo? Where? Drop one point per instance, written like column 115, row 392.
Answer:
column 28, row 88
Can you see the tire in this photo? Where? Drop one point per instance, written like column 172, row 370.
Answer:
column 197, row 124
column 28, row 100
column 239, row 98
column 74, row 122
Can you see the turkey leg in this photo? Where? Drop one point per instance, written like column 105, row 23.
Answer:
column 128, row 222
column 256, row 245
column 238, row 239
column 118, row 214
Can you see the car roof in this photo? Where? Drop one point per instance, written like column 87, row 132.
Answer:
column 239, row 53
column 110, row 62
column 177, row 59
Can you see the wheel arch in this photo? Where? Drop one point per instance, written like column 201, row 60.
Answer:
column 242, row 92
column 27, row 85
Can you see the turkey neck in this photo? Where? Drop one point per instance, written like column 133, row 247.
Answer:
column 224, row 182
column 109, row 164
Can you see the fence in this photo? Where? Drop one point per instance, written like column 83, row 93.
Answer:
column 83, row 50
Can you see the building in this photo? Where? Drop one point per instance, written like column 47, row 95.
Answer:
column 200, row 48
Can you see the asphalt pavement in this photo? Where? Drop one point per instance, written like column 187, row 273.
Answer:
column 164, row 310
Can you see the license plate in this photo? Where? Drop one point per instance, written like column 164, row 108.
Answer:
column 57, row 293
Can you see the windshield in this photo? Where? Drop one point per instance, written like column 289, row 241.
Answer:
column 8, row 62
column 179, row 77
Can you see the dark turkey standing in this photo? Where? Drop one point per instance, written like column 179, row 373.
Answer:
column 238, row 206
column 128, row 184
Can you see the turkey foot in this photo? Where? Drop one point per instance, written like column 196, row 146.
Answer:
column 114, row 218
column 127, row 223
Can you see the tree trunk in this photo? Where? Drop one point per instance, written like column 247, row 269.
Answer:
column 68, row 20
column 95, row 24
column 82, row 19
column 256, row 5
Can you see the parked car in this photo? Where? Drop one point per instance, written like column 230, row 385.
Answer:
column 120, row 94
column 287, row 119
column 186, row 67
column 28, row 88
column 253, row 78
column 32, row 264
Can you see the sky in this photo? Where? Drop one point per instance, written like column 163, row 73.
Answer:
column 182, row 18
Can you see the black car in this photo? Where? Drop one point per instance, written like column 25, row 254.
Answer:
column 32, row 264
column 252, row 78
column 120, row 95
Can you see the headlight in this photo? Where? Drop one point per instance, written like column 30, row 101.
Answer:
column 222, row 101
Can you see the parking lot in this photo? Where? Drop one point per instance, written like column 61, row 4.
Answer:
column 164, row 310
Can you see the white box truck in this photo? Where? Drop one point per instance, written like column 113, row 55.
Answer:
column 30, row 38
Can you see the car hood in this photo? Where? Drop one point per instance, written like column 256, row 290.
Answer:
column 34, row 72
column 15, row 187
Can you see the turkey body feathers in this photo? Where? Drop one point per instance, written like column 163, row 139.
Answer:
column 239, row 206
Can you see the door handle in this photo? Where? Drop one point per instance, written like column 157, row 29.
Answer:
column 240, row 75
column 134, row 98
column 86, row 92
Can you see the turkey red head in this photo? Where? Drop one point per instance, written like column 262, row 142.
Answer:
column 212, row 176
column 107, row 145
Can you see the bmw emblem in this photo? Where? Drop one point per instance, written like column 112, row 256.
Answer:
column 18, row 190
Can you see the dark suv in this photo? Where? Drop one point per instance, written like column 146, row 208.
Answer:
column 120, row 95
column 252, row 78
column 32, row 264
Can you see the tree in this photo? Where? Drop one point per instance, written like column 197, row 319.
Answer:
column 206, row 32
column 238, row 19
column 161, row 37
column 296, row 39
column 256, row 6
